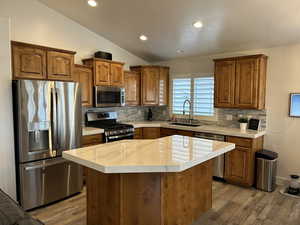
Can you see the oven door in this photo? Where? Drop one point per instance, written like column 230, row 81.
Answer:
column 109, row 96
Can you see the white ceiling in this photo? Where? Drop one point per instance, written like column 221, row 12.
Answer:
column 229, row 25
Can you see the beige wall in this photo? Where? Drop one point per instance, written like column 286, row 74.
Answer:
column 35, row 23
column 283, row 77
column 7, row 163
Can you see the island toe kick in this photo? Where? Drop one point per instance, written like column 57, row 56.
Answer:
column 149, row 198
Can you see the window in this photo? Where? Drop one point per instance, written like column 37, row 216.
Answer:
column 200, row 91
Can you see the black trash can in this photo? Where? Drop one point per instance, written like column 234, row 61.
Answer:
column 266, row 170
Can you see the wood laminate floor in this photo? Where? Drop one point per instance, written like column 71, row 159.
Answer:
column 232, row 205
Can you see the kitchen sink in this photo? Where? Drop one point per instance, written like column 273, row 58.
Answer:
column 186, row 124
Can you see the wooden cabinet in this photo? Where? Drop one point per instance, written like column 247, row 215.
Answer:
column 40, row 62
column 163, row 86
column 102, row 73
column 224, row 83
column 60, row 66
column 241, row 82
column 106, row 72
column 28, row 62
column 152, row 93
column 151, row 132
column 138, row 133
column 240, row 163
column 132, row 88
column 164, row 132
column 89, row 140
column 117, row 74
column 84, row 75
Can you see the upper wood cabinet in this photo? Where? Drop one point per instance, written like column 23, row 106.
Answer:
column 241, row 82
column 106, row 72
column 60, row 66
column 117, row 74
column 40, row 62
column 224, row 83
column 164, row 86
column 28, row 62
column 84, row 75
column 152, row 93
column 132, row 88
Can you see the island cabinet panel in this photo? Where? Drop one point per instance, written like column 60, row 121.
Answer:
column 138, row 133
column 240, row 163
column 224, row 83
column 240, row 82
column 149, row 198
column 60, row 66
column 151, row 132
column 132, row 88
column 29, row 63
column 84, row 75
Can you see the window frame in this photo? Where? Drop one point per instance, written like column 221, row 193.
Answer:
column 192, row 76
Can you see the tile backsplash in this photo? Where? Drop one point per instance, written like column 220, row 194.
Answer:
column 161, row 113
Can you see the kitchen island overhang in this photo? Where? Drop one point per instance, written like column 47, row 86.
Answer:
column 164, row 181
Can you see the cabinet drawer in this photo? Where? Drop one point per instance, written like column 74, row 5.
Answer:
column 164, row 132
column 243, row 142
column 185, row 133
column 92, row 139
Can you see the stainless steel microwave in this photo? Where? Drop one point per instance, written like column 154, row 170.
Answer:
column 106, row 96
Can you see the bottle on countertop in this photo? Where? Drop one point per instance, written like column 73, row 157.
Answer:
column 150, row 115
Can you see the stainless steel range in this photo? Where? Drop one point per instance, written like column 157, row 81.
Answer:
column 113, row 131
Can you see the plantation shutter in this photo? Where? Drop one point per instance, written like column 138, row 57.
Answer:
column 204, row 96
column 181, row 92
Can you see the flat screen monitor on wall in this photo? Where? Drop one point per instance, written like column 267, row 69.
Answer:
column 295, row 105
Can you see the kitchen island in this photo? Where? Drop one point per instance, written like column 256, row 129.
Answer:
column 165, row 181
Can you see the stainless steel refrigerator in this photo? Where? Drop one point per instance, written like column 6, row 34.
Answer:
column 47, row 120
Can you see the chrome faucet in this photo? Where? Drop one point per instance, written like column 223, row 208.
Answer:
column 190, row 115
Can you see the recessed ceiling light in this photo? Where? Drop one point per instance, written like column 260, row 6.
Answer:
column 143, row 37
column 198, row 24
column 92, row 3
column 180, row 51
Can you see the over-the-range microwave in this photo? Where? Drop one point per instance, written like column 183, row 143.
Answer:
column 107, row 96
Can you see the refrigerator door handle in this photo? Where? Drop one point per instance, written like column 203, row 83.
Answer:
column 53, row 125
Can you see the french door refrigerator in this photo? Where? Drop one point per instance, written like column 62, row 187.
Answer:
column 47, row 120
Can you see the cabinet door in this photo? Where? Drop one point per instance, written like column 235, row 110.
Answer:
column 132, row 88
column 224, row 83
column 247, row 84
column 164, row 86
column 84, row 76
column 150, row 80
column 164, row 132
column 102, row 73
column 237, row 165
column 29, row 63
column 89, row 140
column 60, row 66
column 138, row 133
column 117, row 74
column 151, row 132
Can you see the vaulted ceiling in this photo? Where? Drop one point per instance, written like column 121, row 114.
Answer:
column 228, row 25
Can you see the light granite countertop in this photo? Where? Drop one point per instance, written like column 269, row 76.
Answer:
column 169, row 154
column 204, row 128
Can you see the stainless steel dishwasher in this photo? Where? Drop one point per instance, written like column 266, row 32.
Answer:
column 219, row 162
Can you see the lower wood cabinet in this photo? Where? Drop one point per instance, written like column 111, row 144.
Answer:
column 164, row 132
column 151, row 132
column 240, row 163
column 138, row 133
column 89, row 140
